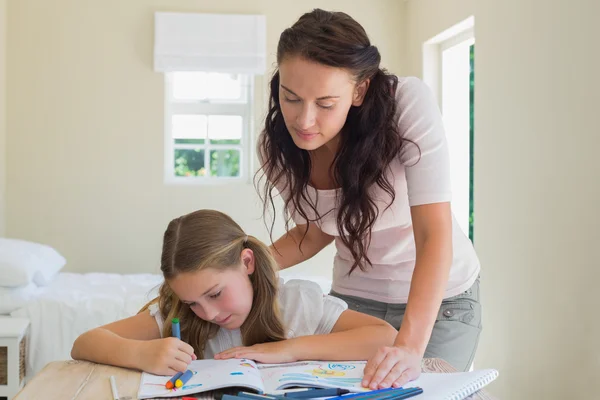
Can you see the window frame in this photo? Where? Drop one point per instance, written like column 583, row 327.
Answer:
column 242, row 107
column 462, row 33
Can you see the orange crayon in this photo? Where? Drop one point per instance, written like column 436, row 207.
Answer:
column 171, row 383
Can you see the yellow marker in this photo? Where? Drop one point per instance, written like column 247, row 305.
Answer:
column 184, row 378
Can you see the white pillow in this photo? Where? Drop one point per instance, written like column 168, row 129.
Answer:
column 23, row 262
column 12, row 299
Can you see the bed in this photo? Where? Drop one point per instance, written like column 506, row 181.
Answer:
column 73, row 303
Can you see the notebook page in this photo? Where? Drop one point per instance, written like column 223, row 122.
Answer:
column 208, row 375
column 318, row 374
column 452, row 386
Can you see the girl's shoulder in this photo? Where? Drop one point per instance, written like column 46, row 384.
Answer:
column 306, row 310
column 293, row 288
column 297, row 294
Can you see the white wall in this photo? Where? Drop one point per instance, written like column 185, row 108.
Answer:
column 537, row 187
column 85, row 156
column 424, row 19
column 2, row 116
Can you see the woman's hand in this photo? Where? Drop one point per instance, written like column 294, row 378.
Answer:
column 272, row 352
column 165, row 356
column 392, row 367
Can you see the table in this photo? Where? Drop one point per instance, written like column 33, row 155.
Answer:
column 82, row 380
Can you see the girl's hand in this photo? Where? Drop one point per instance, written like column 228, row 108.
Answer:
column 392, row 367
column 165, row 356
column 272, row 352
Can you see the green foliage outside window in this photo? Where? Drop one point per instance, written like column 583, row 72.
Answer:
column 471, row 135
column 189, row 162
column 223, row 163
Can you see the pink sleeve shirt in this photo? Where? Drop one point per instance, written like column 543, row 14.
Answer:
column 418, row 178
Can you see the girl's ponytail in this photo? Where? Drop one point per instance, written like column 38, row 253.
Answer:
column 264, row 323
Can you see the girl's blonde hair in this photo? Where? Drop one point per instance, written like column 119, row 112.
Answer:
column 211, row 239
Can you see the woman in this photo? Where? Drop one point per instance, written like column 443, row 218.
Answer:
column 360, row 158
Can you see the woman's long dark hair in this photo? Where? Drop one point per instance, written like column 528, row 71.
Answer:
column 369, row 140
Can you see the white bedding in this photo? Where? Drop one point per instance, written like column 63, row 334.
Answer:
column 74, row 303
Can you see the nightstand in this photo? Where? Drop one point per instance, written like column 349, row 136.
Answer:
column 13, row 349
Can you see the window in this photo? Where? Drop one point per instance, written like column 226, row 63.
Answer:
column 207, row 127
column 457, row 104
column 449, row 69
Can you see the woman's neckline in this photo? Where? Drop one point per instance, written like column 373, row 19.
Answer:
column 324, row 192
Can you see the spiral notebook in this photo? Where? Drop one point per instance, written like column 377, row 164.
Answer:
column 453, row 385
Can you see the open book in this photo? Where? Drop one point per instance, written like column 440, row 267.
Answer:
column 262, row 378
column 269, row 378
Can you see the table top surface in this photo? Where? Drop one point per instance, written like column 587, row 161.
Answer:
column 82, row 380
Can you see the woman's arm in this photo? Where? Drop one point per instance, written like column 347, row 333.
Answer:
column 134, row 342
column 355, row 336
column 432, row 225
column 287, row 252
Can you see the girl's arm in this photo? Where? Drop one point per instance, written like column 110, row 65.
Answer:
column 287, row 252
column 355, row 336
column 134, row 342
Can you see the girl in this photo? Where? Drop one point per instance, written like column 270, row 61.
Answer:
column 360, row 158
column 223, row 287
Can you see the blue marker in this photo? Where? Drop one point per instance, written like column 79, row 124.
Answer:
column 400, row 394
column 184, row 378
column 384, row 394
column 362, row 394
column 316, row 393
column 175, row 328
column 255, row 396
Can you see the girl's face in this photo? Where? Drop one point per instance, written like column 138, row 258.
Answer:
column 315, row 100
column 223, row 297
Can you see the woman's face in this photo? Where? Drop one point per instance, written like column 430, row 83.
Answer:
column 315, row 100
